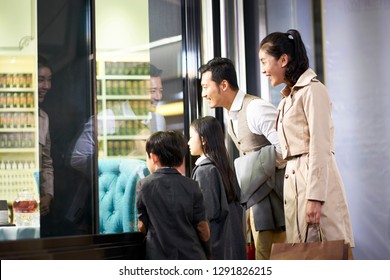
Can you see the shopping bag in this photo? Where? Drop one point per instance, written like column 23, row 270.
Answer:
column 324, row 250
column 319, row 250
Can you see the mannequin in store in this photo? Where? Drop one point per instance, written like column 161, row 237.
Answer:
column 46, row 185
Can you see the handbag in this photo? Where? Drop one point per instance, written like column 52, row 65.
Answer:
column 319, row 250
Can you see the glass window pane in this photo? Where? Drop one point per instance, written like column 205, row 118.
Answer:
column 19, row 135
column 64, row 38
column 140, row 91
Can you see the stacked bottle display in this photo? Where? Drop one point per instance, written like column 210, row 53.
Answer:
column 16, row 111
column 15, row 80
column 126, row 68
column 20, row 99
column 120, row 147
column 16, row 176
column 123, row 89
column 130, row 127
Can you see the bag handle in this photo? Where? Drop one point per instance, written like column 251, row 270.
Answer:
column 319, row 233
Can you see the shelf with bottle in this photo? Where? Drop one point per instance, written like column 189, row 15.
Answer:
column 123, row 103
column 19, row 147
column 13, row 99
column 131, row 86
column 16, row 176
column 17, row 113
column 122, row 78
column 123, row 147
column 11, row 142
column 16, row 81
column 126, row 68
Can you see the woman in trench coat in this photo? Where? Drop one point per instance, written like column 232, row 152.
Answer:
column 313, row 189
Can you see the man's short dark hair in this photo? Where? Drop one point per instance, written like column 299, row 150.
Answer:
column 221, row 69
column 154, row 71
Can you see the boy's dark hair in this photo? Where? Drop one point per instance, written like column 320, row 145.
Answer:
column 221, row 69
column 169, row 146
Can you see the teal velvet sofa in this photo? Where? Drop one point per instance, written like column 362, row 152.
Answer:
column 118, row 178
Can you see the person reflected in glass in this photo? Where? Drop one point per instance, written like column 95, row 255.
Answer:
column 154, row 120
column 314, row 192
column 46, row 170
column 220, row 189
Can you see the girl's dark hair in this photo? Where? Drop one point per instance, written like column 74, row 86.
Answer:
column 290, row 43
column 221, row 69
column 169, row 146
column 210, row 130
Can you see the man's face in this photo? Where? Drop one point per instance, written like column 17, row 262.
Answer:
column 211, row 91
column 44, row 82
column 156, row 91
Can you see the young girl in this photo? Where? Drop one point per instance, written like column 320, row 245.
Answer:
column 170, row 206
column 219, row 187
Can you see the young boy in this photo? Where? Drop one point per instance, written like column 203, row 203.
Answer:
column 170, row 206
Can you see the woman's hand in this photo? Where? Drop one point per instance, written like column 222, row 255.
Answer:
column 313, row 211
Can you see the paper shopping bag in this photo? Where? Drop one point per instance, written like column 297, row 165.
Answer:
column 323, row 250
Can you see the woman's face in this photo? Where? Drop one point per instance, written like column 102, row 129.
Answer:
column 44, row 82
column 195, row 143
column 272, row 68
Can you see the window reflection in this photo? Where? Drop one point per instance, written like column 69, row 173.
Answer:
column 19, row 159
column 139, row 84
column 139, row 90
column 63, row 36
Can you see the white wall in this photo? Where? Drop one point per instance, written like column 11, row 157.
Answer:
column 290, row 14
column 18, row 27
column 122, row 29
column 357, row 41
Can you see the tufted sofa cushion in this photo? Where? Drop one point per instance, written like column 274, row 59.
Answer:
column 117, row 193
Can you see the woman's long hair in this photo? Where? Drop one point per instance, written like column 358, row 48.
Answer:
column 210, row 132
column 290, row 43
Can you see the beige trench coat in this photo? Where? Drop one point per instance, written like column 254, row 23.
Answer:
column 306, row 136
